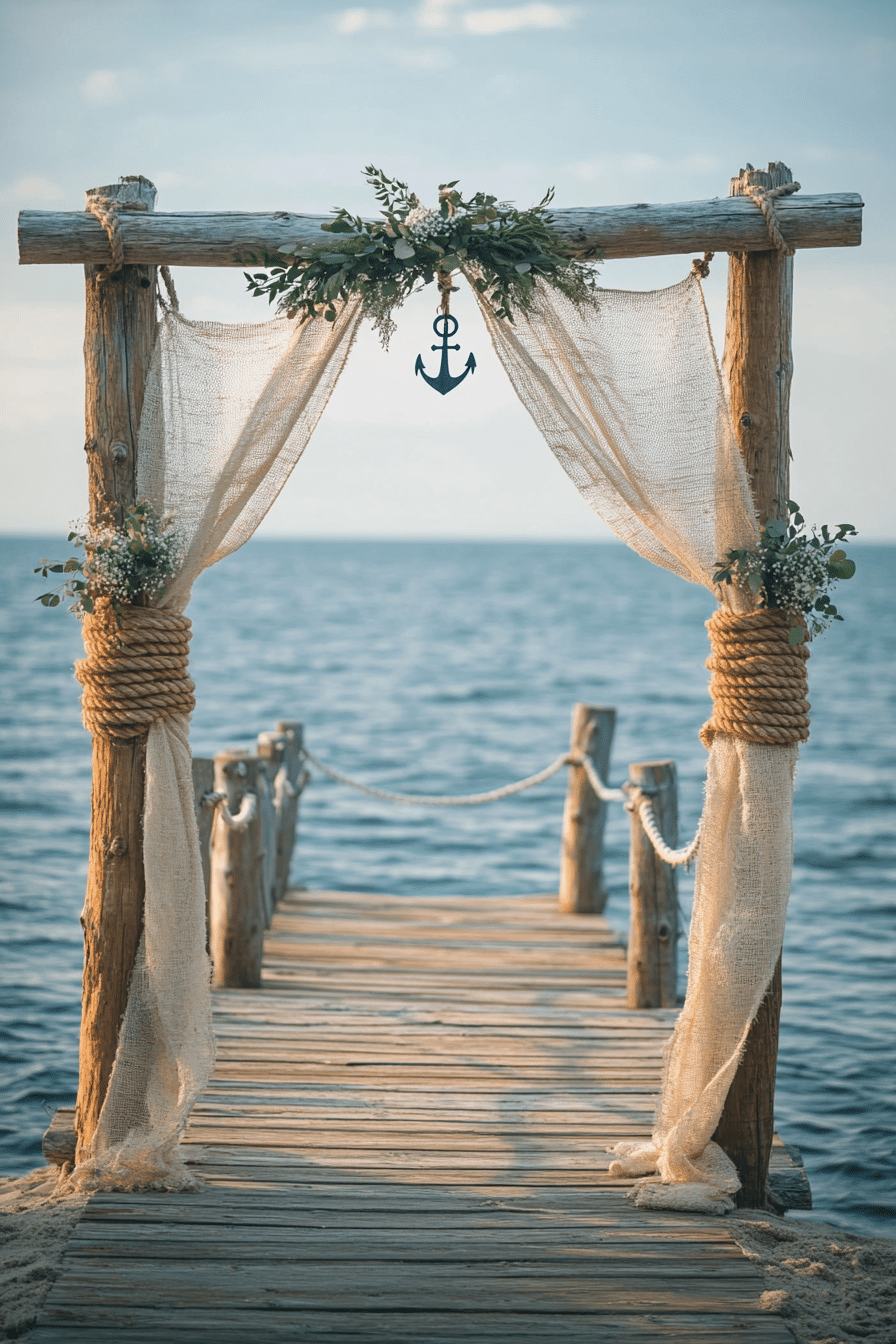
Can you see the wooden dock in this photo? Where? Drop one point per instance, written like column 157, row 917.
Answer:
column 404, row 1140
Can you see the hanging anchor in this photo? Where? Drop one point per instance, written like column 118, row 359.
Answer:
column 444, row 382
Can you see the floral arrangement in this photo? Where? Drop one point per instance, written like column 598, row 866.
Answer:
column 503, row 251
column 125, row 567
column 792, row 570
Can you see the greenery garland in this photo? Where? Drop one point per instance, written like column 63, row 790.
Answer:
column 791, row 570
column 503, row 252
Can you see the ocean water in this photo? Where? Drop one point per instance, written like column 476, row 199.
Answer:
column 452, row 667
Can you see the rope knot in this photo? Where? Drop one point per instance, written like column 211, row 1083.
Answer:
column 106, row 209
column 759, row 684
column 135, row 671
column 700, row 266
column 765, row 198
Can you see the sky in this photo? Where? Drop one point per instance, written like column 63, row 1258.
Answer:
column 279, row 104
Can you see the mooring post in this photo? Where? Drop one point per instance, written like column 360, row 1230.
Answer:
column 759, row 365
column 653, row 936
column 237, row 899
column 119, row 335
column 271, row 747
column 296, row 779
column 203, row 790
column 582, row 886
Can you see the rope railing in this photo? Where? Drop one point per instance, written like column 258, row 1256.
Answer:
column 634, row 797
column 443, row 800
column 247, row 812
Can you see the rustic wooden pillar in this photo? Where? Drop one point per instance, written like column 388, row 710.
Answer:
column 293, row 736
column 582, row 886
column 758, row 365
column 203, row 788
column 653, row 935
column 119, row 337
column 237, row 900
column 270, row 754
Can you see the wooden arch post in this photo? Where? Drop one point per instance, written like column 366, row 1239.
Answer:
column 119, row 336
column 758, row 364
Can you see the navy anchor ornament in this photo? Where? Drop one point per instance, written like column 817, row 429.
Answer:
column 444, row 381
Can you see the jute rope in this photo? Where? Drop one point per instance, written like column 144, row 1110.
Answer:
column 106, row 210
column 765, row 198
column 759, row 683
column 446, row 289
column 135, row 671
column 442, row 800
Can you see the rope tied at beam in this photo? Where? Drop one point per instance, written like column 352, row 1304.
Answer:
column 135, row 671
column 106, row 209
column 765, row 198
column 759, row 682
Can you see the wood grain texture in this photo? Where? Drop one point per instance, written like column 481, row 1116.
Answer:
column 582, row 887
column 415, row 1162
column 203, row 785
column 758, row 364
column 653, row 935
column 238, row 910
column 292, row 734
column 640, row 230
column 119, row 335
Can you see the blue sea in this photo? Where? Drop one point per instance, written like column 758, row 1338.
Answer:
column 452, row 667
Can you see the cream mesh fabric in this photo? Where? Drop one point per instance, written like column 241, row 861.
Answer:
column 227, row 414
column 629, row 397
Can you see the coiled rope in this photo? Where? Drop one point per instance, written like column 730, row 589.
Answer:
column 759, row 684
column 135, row 671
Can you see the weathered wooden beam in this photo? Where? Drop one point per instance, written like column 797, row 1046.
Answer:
column 729, row 224
column 758, row 364
column 118, row 342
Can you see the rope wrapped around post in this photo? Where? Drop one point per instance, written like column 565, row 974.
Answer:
column 759, row 683
column 135, row 671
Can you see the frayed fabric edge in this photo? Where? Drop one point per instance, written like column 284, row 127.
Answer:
column 162, row 1170
column 689, row 1197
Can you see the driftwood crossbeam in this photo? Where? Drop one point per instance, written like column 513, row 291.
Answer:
column 120, row 333
column 220, row 238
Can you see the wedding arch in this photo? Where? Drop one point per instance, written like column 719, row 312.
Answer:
column 207, row 421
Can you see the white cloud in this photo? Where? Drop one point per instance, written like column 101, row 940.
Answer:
column 356, row 20
column 435, row 13
column 487, row 22
column 37, row 189
column 103, row 86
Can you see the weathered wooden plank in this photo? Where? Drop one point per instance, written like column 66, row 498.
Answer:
column 542, row 1288
column 224, row 238
column 433, row 1245
column 208, row 1325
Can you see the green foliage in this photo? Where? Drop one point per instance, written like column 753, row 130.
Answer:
column 502, row 251
column 123, row 566
column 792, row 570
